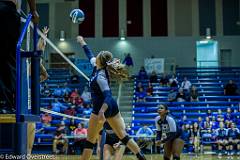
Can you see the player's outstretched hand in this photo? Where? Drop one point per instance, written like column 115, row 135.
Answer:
column 81, row 40
column 45, row 30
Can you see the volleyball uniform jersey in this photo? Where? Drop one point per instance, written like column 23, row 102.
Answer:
column 233, row 133
column 221, row 133
column 167, row 129
column 100, row 90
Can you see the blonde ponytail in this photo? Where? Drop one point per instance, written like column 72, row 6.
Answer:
column 117, row 70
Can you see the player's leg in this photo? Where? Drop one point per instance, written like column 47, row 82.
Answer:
column 93, row 131
column 167, row 150
column 31, row 136
column 118, row 126
column 177, row 148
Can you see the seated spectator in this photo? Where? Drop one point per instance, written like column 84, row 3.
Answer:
column 186, row 84
column 129, row 130
column 149, row 89
column 200, row 122
column 172, row 95
column 59, row 139
column 220, row 116
column 215, row 124
column 221, row 137
column 193, row 94
column 87, row 110
column 186, row 133
column 236, row 119
column 141, row 95
column 56, row 105
column 66, row 89
column 209, row 114
column 144, row 133
column 86, row 95
column 78, row 101
column 74, row 96
column 46, row 92
column 64, row 126
column 142, row 74
column 228, row 116
column 153, row 77
column 207, row 127
column 173, row 82
column 207, row 134
column 66, row 98
column 72, row 126
column 207, row 131
column 164, row 80
column 46, row 119
column 230, row 89
column 181, row 97
column 57, row 92
column 233, row 140
column 195, row 136
column 139, row 86
column 70, row 110
column 81, row 133
column 228, row 123
column 80, row 109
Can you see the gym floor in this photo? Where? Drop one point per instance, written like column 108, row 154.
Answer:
column 150, row 157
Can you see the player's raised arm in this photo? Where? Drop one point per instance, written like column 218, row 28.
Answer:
column 87, row 50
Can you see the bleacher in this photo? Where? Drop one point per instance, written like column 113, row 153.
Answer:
column 210, row 84
column 57, row 77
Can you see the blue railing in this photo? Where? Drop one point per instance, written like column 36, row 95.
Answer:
column 22, row 115
column 20, row 110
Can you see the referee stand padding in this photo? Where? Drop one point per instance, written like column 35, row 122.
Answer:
column 7, row 118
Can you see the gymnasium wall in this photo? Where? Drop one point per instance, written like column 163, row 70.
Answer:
column 231, row 14
column 182, row 49
column 186, row 23
column 183, row 18
column 207, row 16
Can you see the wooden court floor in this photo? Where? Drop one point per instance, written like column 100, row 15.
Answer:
column 149, row 157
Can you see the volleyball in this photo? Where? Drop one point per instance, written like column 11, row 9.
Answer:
column 77, row 16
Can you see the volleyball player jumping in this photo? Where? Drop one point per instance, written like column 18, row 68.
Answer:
column 104, row 106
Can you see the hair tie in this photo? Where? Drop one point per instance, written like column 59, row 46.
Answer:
column 114, row 61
